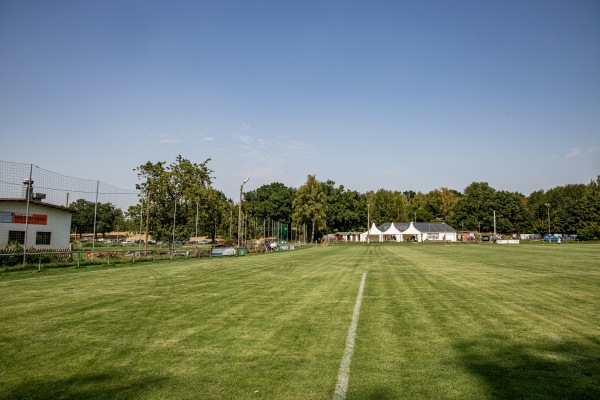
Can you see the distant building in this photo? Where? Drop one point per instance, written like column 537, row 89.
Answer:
column 410, row 232
column 347, row 236
column 33, row 223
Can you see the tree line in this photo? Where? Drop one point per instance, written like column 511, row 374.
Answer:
column 177, row 201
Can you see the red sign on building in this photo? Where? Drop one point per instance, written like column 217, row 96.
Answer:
column 34, row 219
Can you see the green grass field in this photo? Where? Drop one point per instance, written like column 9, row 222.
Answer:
column 436, row 322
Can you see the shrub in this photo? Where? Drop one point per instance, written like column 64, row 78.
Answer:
column 590, row 231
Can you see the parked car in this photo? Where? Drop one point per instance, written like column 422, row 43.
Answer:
column 550, row 238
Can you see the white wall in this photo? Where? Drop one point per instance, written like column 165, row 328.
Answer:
column 58, row 224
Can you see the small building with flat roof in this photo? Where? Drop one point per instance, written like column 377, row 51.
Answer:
column 33, row 223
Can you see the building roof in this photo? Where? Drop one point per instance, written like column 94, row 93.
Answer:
column 401, row 226
column 38, row 203
column 374, row 230
column 433, row 227
column 420, row 226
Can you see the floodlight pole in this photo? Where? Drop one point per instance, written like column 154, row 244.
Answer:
column 368, row 220
column 548, row 206
column 444, row 232
column 240, row 214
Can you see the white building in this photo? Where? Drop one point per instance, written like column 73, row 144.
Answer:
column 347, row 236
column 33, row 223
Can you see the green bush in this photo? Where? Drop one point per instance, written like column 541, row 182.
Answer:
column 590, row 231
column 13, row 248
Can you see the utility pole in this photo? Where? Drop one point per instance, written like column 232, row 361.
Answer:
column 240, row 214
column 548, row 206
column 147, row 220
column 368, row 220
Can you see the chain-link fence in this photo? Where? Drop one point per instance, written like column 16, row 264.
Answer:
column 59, row 190
column 37, row 205
column 45, row 213
column 262, row 230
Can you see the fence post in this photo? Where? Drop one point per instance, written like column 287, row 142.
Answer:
column 95, row 215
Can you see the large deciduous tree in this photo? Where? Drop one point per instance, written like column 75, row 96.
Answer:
column 273, row 201
column 346, row 209
column 310, row 205
column 176, row 191
column 106, row 215
column 387, row 206
column 83, row 218
column 576, row 209
column 441, row 202
column 476, row 207
column 510, row 211
column 480, row 202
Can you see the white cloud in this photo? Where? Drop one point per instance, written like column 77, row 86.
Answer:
column 296, row 148
column 170, row 138
column 246, row 139
column 267, row 155
column 168, row 141
column 591, row 150
column 165, row 138
column 575, row 151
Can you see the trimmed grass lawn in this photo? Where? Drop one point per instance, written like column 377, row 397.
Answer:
column 436, row 322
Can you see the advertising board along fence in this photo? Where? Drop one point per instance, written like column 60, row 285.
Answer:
column 507, row 241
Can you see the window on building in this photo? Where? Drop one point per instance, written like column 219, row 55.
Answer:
column 16, row 236
column 42, row 237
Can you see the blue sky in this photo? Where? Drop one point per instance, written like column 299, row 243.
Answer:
column 401, row 95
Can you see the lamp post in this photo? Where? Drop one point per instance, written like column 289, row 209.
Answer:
column 368, row 219
column 548, row 206
column 240, row 214
column 444, row 232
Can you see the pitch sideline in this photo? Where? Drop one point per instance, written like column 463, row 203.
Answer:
column 344, row 372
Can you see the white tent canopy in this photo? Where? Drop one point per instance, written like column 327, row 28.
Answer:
column 403, row 231
column 412, row 231
column 393, row 231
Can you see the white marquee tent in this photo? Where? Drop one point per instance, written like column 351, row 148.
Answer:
column 413, row 231
column 392, row 233
column 372, row 235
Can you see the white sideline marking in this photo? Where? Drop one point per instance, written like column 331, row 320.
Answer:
column 344, row 373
